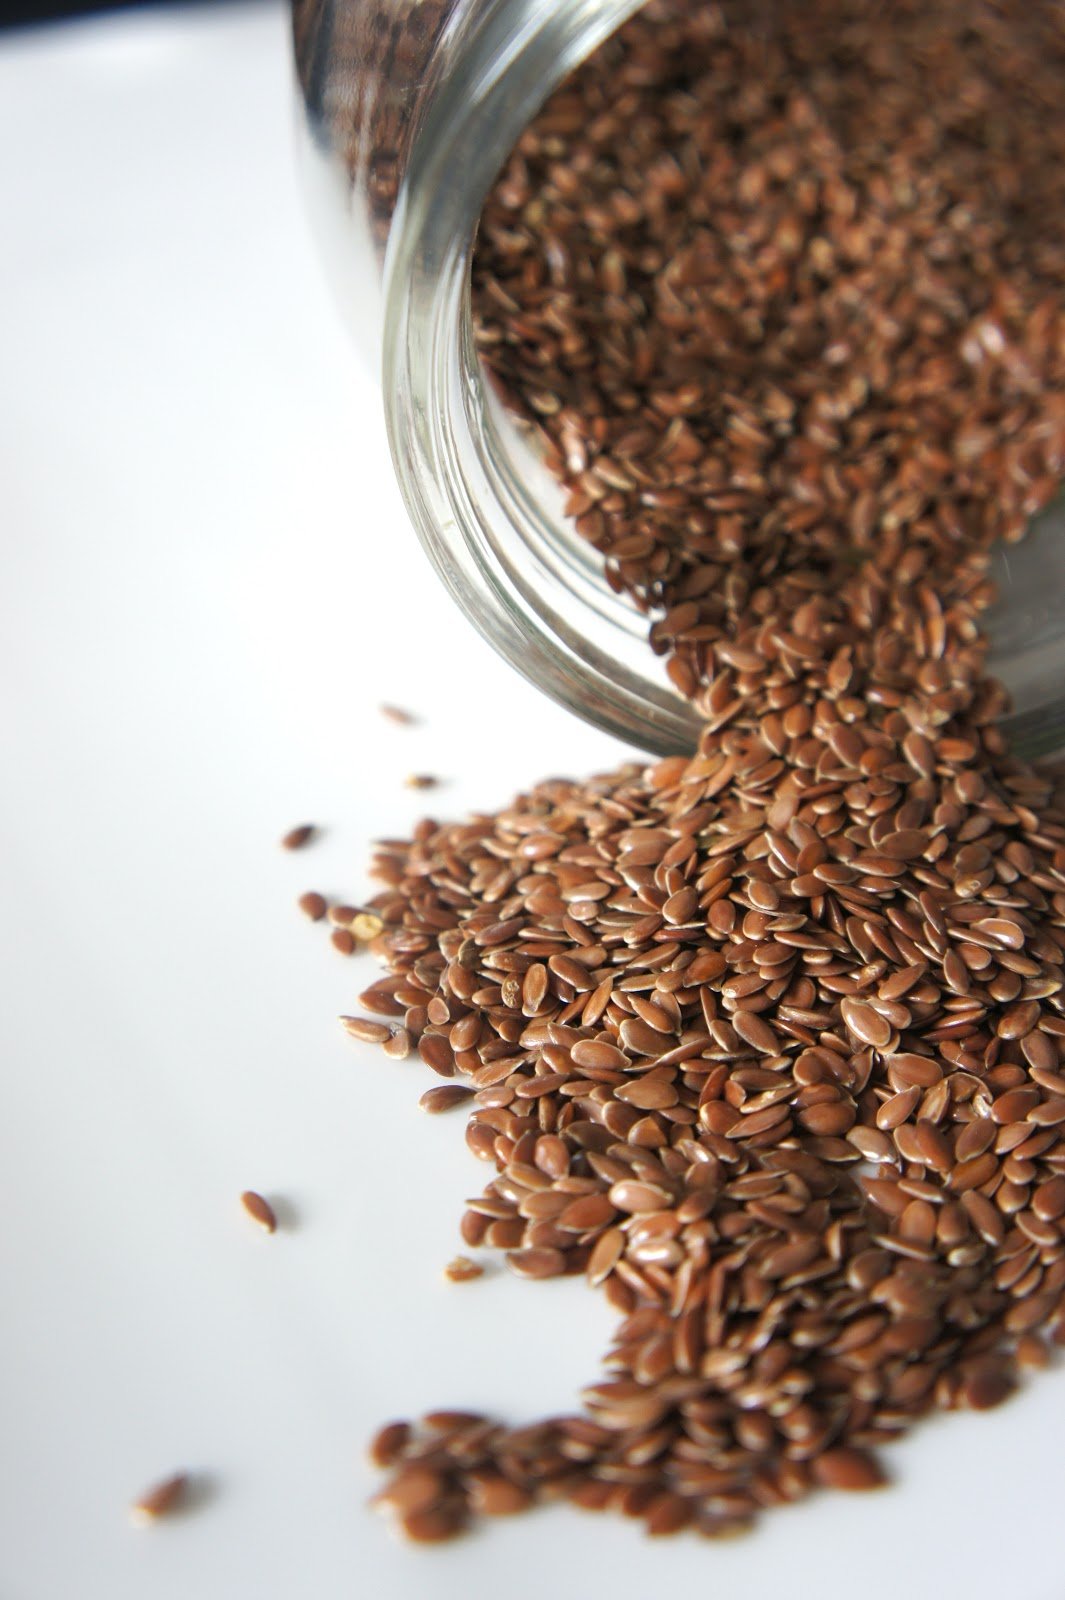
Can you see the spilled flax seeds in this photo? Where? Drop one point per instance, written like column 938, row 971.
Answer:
column 767, row 1040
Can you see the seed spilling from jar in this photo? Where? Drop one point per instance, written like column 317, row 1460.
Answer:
column 767, row 1040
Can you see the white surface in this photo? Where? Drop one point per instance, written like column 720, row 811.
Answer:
column 207, row 586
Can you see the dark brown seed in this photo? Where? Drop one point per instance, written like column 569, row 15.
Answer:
column 789, row 1258
column 905, row 844
column 1017, row 1020
column 754, row 1031
column 343, row 939
column 313, row 905
column 296, row 838
column 388, row 1443
column 259, row 1210
column 845, row 1467
column 866, row 1024
column 987, row 1385
column 1048, row 1201
column 935, row 1147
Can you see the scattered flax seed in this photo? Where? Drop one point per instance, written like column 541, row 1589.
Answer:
column 445, row 1098
column 461, row 1269
column 296, row 838
column 259, row 1210
column 388, row 1443
column 365, row 1029
column 366, row 925
column 421, row 780
column 161, row 1500
column 397, row 714
column 343, row 939
column 313, row 905
column 398, row 1045
column 342, row 916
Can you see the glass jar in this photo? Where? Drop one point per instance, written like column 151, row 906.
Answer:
column 409, row 110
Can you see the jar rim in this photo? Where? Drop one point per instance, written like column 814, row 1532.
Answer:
column 525, row 579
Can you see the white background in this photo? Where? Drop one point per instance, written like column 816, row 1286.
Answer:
column 207, row 586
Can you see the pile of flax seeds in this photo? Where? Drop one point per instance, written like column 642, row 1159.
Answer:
column 766, row 1040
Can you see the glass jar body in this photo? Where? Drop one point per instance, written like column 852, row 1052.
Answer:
column 409, row 108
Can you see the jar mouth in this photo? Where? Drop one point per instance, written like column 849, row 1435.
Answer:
column 488, row 513
column 485, row 509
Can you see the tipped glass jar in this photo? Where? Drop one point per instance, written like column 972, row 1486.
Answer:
column 410, row 109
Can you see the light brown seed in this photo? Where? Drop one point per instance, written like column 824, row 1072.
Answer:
column 492, row 1495
column 296, row 838
column 445, row 1098
column 461, row 1269
column 313, row 905
column 633, row 1196
column 609, row 1248
column 413, row 1489
column 435, row 1050
column 536, row 1263
column 259, row 1210
column 366, row 1029
column 341, row 915
column 586, row 1214
column 161, row 1500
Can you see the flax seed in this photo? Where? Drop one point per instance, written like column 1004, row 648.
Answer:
column 162, row 1500
column 296, row 838
column 460, row 1269
column 259, row 1210
column 364, row 1028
